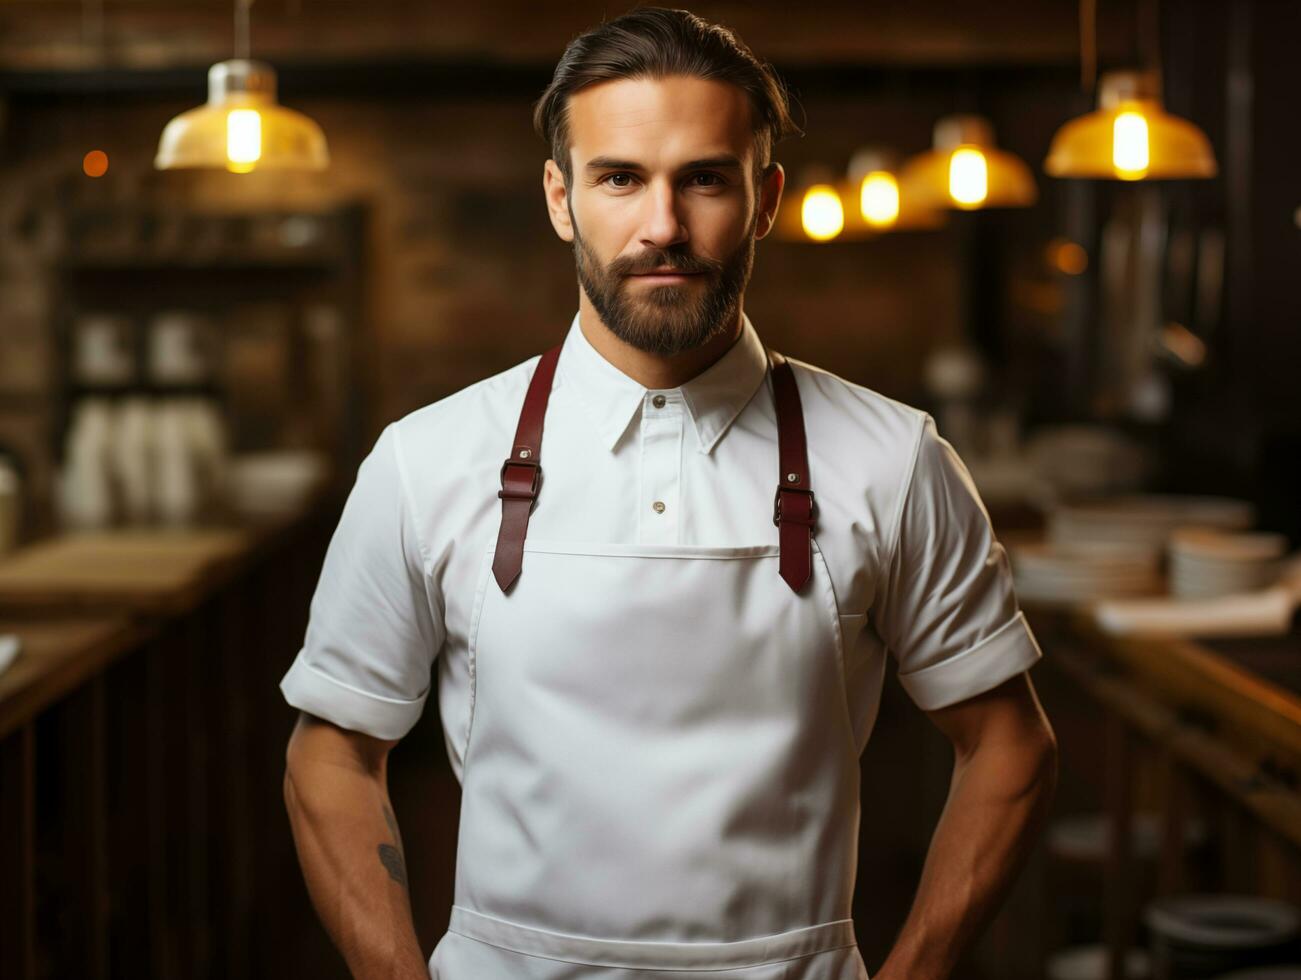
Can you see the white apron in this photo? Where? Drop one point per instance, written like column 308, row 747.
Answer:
column 660, row 778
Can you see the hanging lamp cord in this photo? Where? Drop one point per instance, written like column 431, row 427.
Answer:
column 241, row 27
column 1088, row 45
column 1150, row 34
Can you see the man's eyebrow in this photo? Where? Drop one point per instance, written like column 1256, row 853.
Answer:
column 725, row 162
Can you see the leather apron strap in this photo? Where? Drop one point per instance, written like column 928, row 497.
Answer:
column 794, row 509
column 521, row 474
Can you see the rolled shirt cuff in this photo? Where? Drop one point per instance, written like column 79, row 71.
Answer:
column 1005, row 653
column 308, row 689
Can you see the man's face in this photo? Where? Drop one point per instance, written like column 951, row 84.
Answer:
column 663, row 178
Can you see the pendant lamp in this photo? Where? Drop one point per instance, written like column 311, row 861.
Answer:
column 877, row 203
column 242, row 127
column 822, row 209
column 812, row 208
column 1130, row 136
column 966, row 171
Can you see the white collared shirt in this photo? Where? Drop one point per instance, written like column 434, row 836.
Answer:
column 916, row 570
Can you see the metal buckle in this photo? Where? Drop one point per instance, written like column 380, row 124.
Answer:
column 777, row 505
column 520, row 494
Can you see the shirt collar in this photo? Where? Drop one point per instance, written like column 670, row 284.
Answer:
column 714, row 398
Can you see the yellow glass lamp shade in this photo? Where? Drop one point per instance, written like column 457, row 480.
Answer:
column 966, row 171
column 875, row 204
column 823, row 207
column 242, row 127
column 1130, row 137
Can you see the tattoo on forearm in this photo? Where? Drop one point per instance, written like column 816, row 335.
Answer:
column 391, row 855
column 391, row 858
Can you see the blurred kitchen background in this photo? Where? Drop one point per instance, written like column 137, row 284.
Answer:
column 1070, row 230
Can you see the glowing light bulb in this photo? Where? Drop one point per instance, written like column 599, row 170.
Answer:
column 1129, row 145
column 879, row 199
column 822, row 213
column 243, row 139
column 968, row 177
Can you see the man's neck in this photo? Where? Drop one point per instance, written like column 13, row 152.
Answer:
column 653, row 370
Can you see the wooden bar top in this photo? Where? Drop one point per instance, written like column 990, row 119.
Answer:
column 150, row 571
column 57, row 656
column 1257, row 713
column 144, row 570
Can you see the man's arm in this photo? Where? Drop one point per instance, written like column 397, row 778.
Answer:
column 336, row 792
column 1004, row 776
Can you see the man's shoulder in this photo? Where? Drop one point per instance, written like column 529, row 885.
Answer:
column 477, row 411
column 833, row 402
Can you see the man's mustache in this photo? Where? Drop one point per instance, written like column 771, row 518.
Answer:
column 650, row 262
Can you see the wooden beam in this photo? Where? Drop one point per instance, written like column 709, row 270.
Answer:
column 52, row 34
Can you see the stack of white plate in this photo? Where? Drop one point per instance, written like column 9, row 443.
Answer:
column 1049, row 573
column 1143, row 519
column 274, row 483
column 1087, row 459
column 1208, row 562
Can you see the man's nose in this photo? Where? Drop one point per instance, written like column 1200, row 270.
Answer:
column 662, row 223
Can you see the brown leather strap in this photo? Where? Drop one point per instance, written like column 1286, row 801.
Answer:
column 793, row 508
column 793, row 505
column 521, row 474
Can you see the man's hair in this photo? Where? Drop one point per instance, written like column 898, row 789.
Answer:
column 656, row 42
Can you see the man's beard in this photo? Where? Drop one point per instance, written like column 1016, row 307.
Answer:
column 667, row 319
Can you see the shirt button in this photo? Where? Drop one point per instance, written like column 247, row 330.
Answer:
column 658, row 401
column 659, row 506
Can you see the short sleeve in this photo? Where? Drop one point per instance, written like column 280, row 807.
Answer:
column 372, row 632
column 948, row 612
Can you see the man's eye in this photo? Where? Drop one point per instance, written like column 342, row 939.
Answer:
column 711, row 179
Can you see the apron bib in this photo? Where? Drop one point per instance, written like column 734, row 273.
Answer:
column 660, row 777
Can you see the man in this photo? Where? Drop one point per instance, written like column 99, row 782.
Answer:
column 661, row 629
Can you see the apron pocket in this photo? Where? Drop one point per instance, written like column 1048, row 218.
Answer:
column 519, row 938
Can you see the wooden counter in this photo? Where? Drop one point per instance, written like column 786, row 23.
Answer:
column 1181, row 691
column 1252, row 711
column 58, row 655
column 155, row 571
column 1183, row 729
column 55, row 658
column 151, row 571
column 142, row 745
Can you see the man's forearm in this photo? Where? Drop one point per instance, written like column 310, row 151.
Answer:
column 351, row 853
column 998, row 799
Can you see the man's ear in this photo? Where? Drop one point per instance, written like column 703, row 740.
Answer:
column 770, row 195
column 557, row 197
